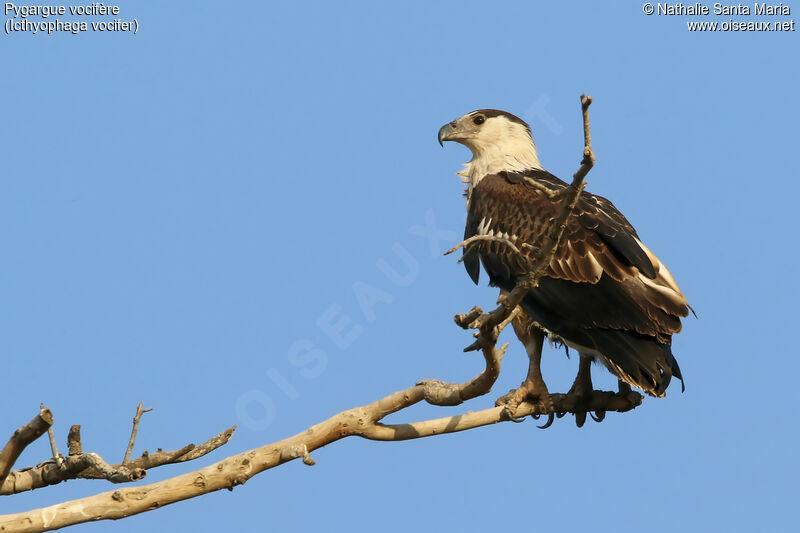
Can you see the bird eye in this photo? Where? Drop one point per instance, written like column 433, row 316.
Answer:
column 480, row 119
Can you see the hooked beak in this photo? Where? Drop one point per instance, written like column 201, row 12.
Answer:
column 446, row 132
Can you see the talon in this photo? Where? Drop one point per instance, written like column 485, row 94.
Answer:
column 560, row 414
column 550, row 418
column 508, row 413
column 598, row 416
column 581, row 391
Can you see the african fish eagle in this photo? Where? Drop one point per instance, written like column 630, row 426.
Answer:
column 604, row 294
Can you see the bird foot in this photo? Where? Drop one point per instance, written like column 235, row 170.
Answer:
column 531, row 390
column 581, row 394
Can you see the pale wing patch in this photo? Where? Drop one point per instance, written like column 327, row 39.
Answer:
column 664, row 282
column 674, row 296
column 595, row 270
column 573, row 266
column 570, row 265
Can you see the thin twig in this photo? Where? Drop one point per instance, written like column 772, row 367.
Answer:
column 211, row 444
column 134, row 430
column 53, row 446
column 588, row 155
column 491, row 238
column 516, row 311
column 550, row 193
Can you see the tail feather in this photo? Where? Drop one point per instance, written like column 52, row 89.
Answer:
column 638, row 360
column 676, row 370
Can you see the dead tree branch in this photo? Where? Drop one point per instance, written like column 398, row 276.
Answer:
column 21, row 438
column 236, row 470
column 92, row 466
column 362, row 421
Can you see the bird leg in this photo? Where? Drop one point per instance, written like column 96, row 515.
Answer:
column 626, row 392
column 534, row 386
column 582, row 389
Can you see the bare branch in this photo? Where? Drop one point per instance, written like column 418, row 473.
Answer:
column 562, row 403
column 134, row 430
column 187, row 453
column 80, row 467
column 121, row 473
column 21, row 438
column 236, row 470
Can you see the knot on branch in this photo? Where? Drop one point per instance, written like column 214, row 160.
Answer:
column 439, row 392
column 91, row 465
column 293, row 452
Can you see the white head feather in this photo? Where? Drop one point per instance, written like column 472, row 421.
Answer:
column 498, row 141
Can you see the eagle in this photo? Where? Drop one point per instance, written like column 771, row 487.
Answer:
column 604, row 294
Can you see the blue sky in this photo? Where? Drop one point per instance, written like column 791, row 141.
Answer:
column 183, row 210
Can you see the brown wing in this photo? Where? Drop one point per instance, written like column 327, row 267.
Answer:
column 637, row 292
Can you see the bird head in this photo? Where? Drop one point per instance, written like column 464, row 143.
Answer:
column 497, row 139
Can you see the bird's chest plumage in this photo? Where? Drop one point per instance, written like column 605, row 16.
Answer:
column 513, row 207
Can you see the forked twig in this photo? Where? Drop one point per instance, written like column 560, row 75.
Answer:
column 137, row 417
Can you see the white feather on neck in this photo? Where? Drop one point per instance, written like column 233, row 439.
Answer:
column 501, row 145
